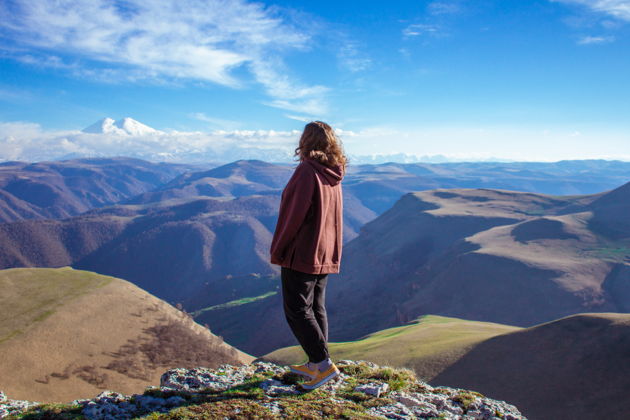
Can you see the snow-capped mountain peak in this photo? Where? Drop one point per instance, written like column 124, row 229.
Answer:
column 124, row 127
column 133, row 127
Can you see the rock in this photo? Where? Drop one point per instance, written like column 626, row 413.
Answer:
column 342, row 363
column 110, row 397
column 420, row 401
column 405, row 399
column 393, row 411
column 274, row 388
column 190, row 380
column 375, row 389
column 8, row 406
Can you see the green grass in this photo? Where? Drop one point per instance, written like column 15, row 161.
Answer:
column 614, row 253
column 50, row 411
column 233, row 303
column 30, row 295
column 424, row 345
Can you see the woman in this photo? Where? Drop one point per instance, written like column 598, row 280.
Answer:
column 307, row 245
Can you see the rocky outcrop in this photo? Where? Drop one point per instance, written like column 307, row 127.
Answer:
column 265, row 390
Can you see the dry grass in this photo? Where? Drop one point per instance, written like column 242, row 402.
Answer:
column 30, row 296
column 115, row 336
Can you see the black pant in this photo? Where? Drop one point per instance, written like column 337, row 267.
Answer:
column 304, row 295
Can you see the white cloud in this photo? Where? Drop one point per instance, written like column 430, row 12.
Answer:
column 289, row 95
column 418, row 29
column 162, row 39
column 302, row 118
column 29, row 142
column 619, row 9
column 216, row 122
column 592, row 40
column 307, row 106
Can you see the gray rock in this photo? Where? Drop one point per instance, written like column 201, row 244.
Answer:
column 14, row 407
column 373, row 388
column 191, row 380
column 424, row 402
column 273, row 387
column 393, row 411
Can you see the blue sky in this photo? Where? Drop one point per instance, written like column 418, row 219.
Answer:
column 521, row 80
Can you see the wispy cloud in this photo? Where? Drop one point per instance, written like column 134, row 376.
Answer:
column 162, row 40
column 301, row 118
column 286, row 92
column 443, row 8
column 619, row 9
column 438, row 18
column 214, row 122
column 594, row 40
column 418, row 29
column 352, row 58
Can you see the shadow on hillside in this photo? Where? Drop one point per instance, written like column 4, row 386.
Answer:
column 572, row 368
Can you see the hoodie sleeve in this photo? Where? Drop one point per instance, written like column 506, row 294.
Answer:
column 296, row 200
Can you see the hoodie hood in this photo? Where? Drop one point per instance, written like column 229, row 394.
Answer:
column 333, row 175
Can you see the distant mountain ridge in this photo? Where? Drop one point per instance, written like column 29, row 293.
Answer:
column 63, row 189
column 67, row 188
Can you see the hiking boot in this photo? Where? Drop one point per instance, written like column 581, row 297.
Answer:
column 321, row 378
column 305, row 370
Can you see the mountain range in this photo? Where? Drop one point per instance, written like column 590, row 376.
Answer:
column 202, row 238
column 488, row 255
column 513, row 250
column 56, row 190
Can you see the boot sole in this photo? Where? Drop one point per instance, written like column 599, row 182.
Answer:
column 322, row 381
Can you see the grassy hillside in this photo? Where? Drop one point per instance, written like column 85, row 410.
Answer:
column 426, row 345
column 67, row 334
column 572, row 368
column 31, row 296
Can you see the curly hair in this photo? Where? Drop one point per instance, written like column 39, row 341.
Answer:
column 319, row 142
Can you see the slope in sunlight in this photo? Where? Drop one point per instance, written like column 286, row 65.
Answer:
column 571, row 368
column 67, row 334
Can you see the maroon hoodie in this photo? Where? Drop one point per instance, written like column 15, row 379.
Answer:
column 308, row 234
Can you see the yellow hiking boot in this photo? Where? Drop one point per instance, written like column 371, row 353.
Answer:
column 321, row 378
column 305, row 370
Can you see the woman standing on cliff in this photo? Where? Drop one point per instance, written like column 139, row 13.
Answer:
column 307, row 245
